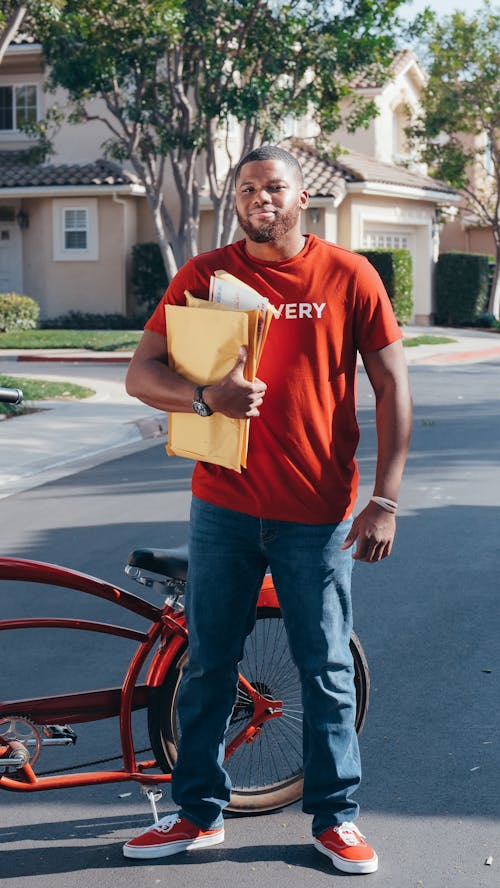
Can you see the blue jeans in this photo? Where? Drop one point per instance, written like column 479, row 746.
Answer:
column 228, row 556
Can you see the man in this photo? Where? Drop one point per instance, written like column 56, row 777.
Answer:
column 289, row 510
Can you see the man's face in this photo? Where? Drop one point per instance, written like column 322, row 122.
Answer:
column 268, row 199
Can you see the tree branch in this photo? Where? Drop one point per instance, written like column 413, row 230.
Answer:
column 11, row 28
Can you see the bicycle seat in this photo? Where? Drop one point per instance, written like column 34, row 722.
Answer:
column 168, row 562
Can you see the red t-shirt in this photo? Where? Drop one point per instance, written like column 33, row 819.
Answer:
column 332, row 303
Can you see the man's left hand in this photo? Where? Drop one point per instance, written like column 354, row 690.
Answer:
column 373, row 530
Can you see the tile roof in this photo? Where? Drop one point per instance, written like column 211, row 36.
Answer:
column 325, row 177
column 366, row 169
column 17, row 172
column 370, row 79
column 23, row 39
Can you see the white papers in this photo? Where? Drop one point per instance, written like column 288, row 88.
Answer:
column 228, row 290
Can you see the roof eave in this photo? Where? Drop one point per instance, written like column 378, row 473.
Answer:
column 23, row 48
column 132, row 190
column 408, row 192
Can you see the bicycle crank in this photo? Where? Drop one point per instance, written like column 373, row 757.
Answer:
column 21, row 740
column 20, row 743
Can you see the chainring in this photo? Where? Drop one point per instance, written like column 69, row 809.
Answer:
column 23, row 730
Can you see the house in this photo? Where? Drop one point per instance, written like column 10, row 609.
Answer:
column 466, row 230
column 67, row 227
column 374, row 194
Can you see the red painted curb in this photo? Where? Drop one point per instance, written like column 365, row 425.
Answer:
column 456, row 357
column 73, row 359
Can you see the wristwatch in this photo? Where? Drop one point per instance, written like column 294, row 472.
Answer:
column 199, row 405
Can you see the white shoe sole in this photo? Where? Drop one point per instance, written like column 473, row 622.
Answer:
column 361, row 867
column 166, row 849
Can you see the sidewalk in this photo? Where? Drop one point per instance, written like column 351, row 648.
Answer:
column 63, row 437
column 469, row 346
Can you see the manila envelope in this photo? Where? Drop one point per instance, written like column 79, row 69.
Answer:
column 203, row 346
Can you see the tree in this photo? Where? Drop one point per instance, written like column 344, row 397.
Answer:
column 191, row 86
column 11, row 19
column 458, row 131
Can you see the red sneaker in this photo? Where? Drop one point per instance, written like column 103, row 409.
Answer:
column 171, row 835
column 348, row 849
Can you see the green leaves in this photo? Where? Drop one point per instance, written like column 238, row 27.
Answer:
column 462, row 101
column 249, row 59
column 179, row 78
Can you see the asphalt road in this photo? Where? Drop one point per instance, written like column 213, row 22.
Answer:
column 429, row 620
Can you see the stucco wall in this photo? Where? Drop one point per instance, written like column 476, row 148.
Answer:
column 98, row 285
column 359, row 214
column 454, row 236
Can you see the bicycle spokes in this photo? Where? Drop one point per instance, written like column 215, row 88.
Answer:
column 264, row 739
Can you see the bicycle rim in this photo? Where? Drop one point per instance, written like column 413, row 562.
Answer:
column 266, row 773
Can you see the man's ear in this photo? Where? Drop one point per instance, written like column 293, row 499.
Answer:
column 304, row 200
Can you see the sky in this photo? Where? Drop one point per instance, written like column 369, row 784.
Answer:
column 444, row 7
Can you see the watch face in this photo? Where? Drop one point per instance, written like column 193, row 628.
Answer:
column 201, row 409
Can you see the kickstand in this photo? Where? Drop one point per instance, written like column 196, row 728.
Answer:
column 154, row 795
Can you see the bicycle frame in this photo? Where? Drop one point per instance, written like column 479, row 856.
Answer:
column 167, row 626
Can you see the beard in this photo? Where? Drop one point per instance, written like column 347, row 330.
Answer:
column 270, row 231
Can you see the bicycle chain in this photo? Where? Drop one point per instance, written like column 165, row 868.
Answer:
column 102, row 761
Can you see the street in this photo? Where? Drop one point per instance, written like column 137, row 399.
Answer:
column 429, row 621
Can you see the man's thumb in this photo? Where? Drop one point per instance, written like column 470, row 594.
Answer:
column 241, row 359
column 349, row 540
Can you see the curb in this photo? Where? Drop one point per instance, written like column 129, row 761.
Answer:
column 74, row 359
column 458, row 357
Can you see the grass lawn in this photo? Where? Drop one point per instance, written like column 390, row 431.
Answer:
column 95, row 340
column 41, row 390
column 123, row 340
column 412, row 341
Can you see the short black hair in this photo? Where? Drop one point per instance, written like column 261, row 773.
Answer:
column 271, row 152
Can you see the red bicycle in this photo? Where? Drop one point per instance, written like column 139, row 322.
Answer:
column 264, row 739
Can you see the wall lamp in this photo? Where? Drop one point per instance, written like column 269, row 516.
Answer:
column 314, row 213
column 23, row 220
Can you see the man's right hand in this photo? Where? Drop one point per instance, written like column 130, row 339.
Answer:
column 235, row 396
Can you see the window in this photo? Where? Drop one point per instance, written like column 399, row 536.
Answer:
column 18, row 106
column 375, row 240
column 400, row 148
column 75, row 228
column 7, row 214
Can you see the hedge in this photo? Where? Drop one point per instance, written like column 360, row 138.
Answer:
column 149, row 278
column 395, row 269
column 18, row 312
column 82, row 320
column 461, row 287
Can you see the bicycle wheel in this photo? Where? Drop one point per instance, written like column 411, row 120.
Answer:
column 266, row 773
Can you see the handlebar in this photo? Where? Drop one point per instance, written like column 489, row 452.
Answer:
column 11, row 396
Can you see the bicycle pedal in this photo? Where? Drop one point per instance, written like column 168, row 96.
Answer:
column 58, row 735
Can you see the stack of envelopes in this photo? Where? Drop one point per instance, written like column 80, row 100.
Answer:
column 203, row 341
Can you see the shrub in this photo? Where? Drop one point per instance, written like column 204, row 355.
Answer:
column 149, row 278
column 18, row 312
column 395, row 270
column 461, row 287
column 80, row 320
column 487, row 321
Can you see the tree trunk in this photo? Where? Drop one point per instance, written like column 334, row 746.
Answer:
column 11, row 28
column 163, row 243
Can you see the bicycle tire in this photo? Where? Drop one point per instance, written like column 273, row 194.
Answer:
column 266, row 774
